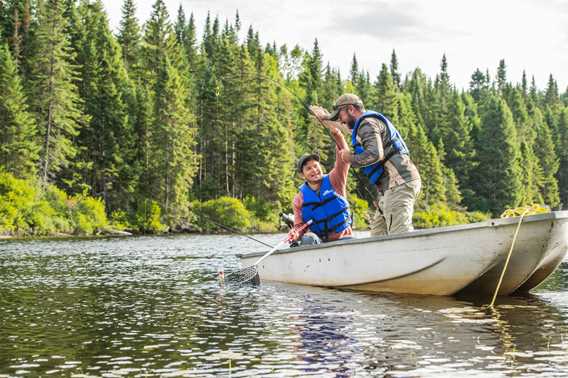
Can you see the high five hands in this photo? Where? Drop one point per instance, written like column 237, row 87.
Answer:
column 323, row 116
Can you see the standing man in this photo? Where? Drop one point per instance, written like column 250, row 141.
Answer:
column 382, row 155
column 323, row 197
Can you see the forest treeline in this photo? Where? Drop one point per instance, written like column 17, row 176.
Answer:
column 151, row 124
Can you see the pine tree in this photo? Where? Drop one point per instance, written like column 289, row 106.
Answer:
column 479, row 85
column 502, row 77
column 55, row 100
column 439, row 117
column 311, row 136
column 459, row 145
column 18, row 143
column 562, row 151
column 532, row 172
column 106, row 142
column 386, row 95
column 545, row 151
column 156, row 40
column 551, row 96
column 354, row 72
column 129, row 35
column 394, row 69
column 189, row 46
column 423, row 154
column 270, row 171
column 498, row 177
column 174, row 163
column 418, row 87
column 180, row 26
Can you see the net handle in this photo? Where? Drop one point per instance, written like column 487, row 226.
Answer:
column 285, row 241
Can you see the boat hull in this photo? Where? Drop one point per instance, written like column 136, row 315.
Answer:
column 440, row 261
column 532, row 260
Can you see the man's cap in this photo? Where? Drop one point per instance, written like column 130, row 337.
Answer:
column 304, row 159
column 343, row 100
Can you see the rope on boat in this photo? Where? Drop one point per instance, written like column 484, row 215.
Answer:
column 526, row 210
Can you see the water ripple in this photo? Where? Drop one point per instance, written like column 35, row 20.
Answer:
column 151, row 306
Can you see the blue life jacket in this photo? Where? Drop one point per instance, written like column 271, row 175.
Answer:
column 328, row 210
column 375, row 170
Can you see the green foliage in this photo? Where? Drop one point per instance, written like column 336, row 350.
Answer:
column 498, row 177
column 148, row 218
column 18, row 144
column 119, row 220
column 59, row 201
column 227, row 211
column 88, row 215
column 55, row 99
column 525, row 211
column 263, row 210
column 359, row 209
column 27, row 210
column 16, row 203
column 150, row 119
column 439, row 215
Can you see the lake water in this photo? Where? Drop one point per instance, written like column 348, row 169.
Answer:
column 152, row 306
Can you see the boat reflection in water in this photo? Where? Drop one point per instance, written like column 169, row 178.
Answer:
column 427, row 335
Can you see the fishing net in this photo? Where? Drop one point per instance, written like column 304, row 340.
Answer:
column 248, row 275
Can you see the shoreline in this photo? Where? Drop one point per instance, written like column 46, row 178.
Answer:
column 124, row 234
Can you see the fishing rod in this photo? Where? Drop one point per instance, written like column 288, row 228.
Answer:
column 234, row 230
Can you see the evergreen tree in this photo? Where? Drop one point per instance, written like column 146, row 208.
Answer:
column 439, row 114
column 106, row 141
column 459, row 145
column 502, row 77
column 423, row 154
column 312, row 137
column 562, row 151
column 545, row 151
column 129, row 35
column 551, row 96
column 418, row 87
column 189, row 46
column 18, row 143
column 479, row 85
column 498, row 177
column 156, row 40
column 394, row 69
column 354, row 72
column 273, row 179
column 55, row 100
column 532, row 172
column 386, row 95
column 180, row 26
column 174, row 163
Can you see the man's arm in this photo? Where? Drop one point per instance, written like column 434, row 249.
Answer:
column 298, row 220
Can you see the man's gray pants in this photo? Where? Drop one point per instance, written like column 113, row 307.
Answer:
column 396, row 206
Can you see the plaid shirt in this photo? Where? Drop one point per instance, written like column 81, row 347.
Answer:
column 399, row 169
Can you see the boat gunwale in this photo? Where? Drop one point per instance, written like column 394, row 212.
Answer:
column 491, row 223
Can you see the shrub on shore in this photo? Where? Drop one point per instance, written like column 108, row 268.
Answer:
column 440, row 215
column 229, row 212
column 26, row 209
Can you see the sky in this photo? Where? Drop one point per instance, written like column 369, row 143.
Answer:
column 530, row 35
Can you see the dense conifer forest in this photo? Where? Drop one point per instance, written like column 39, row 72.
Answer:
column 152, row 127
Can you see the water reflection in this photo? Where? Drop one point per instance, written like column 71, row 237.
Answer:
column 152, row 307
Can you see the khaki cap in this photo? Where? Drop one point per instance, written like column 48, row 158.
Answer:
column 344, row 99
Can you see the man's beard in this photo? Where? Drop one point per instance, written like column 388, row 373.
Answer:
column 351, row 122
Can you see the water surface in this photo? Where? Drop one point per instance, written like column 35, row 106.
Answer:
column 152, row 306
